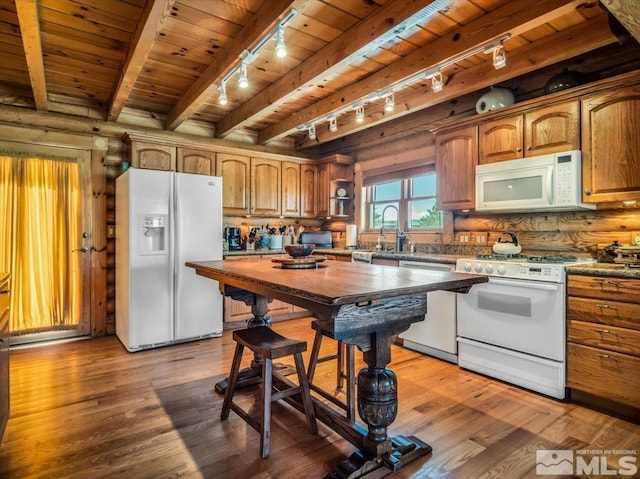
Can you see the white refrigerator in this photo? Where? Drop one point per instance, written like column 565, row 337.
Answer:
column 164, row 219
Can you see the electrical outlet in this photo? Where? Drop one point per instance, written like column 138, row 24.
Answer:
column 635, row 238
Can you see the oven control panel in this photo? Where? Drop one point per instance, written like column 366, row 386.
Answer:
column 517, row 270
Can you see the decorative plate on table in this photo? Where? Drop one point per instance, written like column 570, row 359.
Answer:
column 342, row 192
column 306, row 262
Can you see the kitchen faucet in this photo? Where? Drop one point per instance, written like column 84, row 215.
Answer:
column 400, row 236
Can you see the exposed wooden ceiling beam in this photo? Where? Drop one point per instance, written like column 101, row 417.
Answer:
column 514, row 18
column 152, row 21
column 627, row 12
column 322, row 64
column 526, row 59
column 264, row 20
column 32, row 44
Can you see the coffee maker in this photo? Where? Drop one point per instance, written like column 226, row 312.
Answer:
column 234, row 240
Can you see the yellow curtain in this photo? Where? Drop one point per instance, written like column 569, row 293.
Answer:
column 40, row 211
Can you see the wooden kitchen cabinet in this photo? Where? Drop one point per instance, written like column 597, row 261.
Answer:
column 291, row 181
column 266, row 184
column 235, row 171
column 611, row 146
column 152, row 156
column 603, row 352
column 335, row 172
column 551, row 129
column 456, row 160
column 308, row 190
column 199, row 162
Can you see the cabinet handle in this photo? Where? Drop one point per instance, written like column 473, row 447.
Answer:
column 529, row 147
column 4, row 291
column 518, row 149
column 606, row 306
column 587, row 192
column 606, row 356
column 606, row 331
column 611, row 283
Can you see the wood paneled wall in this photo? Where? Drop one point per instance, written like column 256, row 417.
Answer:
column 572, row 232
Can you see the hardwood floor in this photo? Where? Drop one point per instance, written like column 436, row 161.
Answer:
column 88, row 409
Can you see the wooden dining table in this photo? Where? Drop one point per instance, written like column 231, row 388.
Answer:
column 361, row 304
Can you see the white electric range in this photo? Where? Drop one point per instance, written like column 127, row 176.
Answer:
column 513, row 327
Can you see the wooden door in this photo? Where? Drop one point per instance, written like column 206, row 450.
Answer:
column 500, row 140
column 235, row 172
column 290, row 189
column 456, row 159
column 308, row 190
column 324, row 182
column 153, row 157
column 199, row 162
column 552, row 129
column 266, row 190
column 611, row 146
column 51, row 271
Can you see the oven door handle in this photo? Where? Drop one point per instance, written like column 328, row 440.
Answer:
column 529, row 285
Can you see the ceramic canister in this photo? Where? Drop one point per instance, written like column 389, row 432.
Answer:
column 494, row 99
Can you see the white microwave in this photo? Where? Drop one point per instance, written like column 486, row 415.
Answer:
column 540, row 183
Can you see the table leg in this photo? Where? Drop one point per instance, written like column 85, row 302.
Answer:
column 379, row 454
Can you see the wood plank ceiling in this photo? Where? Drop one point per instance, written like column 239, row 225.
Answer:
column 166, row 59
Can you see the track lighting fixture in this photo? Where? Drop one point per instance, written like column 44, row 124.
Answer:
column 436, row 82
column 499, row 57
column 312, row 131
column 247, row 56
column 495, row 46
column 333, row 124
column 222, row 93
column 389, row 102
column 281, row 48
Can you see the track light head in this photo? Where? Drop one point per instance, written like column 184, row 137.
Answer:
column 360, row 113
column 436, row 82
column 499, row 57
column 222, row 93
column 312, row 131
column 389, row 102
column 281, row 48
column 243, row 81
column 333, row 124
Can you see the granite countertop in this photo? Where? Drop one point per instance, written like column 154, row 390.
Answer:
column 401, row 256
column 605, row 269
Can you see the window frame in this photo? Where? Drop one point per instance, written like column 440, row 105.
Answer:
column 404, row 221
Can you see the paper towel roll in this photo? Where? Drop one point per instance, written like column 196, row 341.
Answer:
column 352, row 236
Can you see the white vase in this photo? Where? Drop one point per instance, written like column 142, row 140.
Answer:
column 494, row 99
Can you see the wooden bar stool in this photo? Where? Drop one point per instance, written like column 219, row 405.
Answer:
column 269, row 345
column 345, row 371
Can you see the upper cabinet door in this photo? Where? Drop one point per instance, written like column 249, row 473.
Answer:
column 290, row 189
column 501, row 140
column 265, row 187
column 456, row 160
column 611, row 146
column 199, row 162
column 552, row 129
column 235, row 171
column 153, row 157
column 308, row 190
